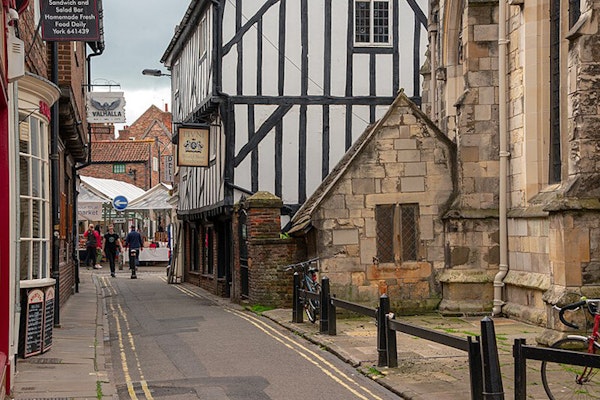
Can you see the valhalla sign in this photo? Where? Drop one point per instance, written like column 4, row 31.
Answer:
column 106, row 107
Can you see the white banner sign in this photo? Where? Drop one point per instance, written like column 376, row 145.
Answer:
column 106, row 107
column 89, row 211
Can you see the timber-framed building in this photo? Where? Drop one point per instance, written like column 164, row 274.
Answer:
column 286, row 87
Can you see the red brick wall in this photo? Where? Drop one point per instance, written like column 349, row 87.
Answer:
column 72, row 73
column 105, row 171
column 37, row 56
column 139, row 128
column 268, row 284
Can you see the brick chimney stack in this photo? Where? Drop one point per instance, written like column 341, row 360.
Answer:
column 166, row 107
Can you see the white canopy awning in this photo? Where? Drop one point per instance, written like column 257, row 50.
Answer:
column 156, row 198
column 111, row 188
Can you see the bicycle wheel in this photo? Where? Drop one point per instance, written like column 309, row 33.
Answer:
column 312, row 306
column 565, row 381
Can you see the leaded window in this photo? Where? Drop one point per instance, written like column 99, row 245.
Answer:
column 372, row 22
column 397, row 232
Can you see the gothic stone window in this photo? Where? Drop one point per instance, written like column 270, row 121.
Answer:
column 372, row 22
column 397, row 232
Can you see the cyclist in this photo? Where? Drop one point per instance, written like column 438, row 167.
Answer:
column 135, row 244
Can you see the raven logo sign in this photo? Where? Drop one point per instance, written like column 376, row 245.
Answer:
column 105, row 106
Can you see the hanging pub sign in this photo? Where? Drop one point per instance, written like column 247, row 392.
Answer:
column 70, row 20
column 193, row 149
column 106, row 107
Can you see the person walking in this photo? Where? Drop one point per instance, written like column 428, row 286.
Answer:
column 99, row 247
column 91, row 244
column 109, row 248
column 135, row 244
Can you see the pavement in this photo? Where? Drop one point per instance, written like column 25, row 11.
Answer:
column 78, row 364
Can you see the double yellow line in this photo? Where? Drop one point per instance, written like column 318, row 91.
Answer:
column 124, row 338
column 311, row 356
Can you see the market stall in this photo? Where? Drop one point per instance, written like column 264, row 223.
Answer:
column 155, row 206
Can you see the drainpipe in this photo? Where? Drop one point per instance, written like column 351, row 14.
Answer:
column 55, row 179
column 433, row 29
column 504, row 154
column 75, row 255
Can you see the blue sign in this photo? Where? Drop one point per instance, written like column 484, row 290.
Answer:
column 120, row 203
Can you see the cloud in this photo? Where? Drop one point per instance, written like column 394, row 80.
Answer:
column 133, row 44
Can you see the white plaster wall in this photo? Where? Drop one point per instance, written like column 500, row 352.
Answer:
column 314, row 153
column 270, row 52
column 293, row 50
column 360, row 80
column 249, row 62
column 315, row 47
column 337, row 132
column 266, row 163
column 290, row 156
column 338, row 48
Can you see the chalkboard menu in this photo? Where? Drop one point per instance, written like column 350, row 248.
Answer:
column 48, row 318
column 33, row 319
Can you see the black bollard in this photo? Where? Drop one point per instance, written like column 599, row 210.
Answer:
column 324, row 305
column 382, row 311
column 332, row 318
column 391, row 345
column 520, row 370
column 492, row 379
column 297, row 316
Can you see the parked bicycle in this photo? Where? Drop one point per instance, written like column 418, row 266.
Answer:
column 310, row 283
column 564, row 381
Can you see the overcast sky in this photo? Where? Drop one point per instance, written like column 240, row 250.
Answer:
column 136, row 35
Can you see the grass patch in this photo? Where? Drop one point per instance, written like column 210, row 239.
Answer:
column 456, row 331
column 99, row 390
column 259, row 309
column 374, row 372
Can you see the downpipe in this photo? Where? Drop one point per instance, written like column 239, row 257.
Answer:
column 504, row 155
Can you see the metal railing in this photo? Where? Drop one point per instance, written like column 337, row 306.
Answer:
column 523, row 352
column 387, row 326
column 484, row 365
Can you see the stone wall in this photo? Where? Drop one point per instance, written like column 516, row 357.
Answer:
column 404, row 161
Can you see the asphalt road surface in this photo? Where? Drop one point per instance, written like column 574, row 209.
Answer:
column 172, row 341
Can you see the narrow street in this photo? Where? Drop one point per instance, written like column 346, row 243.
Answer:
column 176, row 342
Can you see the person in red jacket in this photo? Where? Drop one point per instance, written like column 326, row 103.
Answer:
column 92, row 241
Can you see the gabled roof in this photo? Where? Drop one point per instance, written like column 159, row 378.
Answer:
column 111, row 188
column 121, row 150
column 156, row 127
column 302, row 219
column 156, row 198
column 153, row 116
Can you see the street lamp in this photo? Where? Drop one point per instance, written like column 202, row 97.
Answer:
column 154, row 72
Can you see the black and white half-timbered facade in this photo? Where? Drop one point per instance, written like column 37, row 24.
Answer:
column 286, row 87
